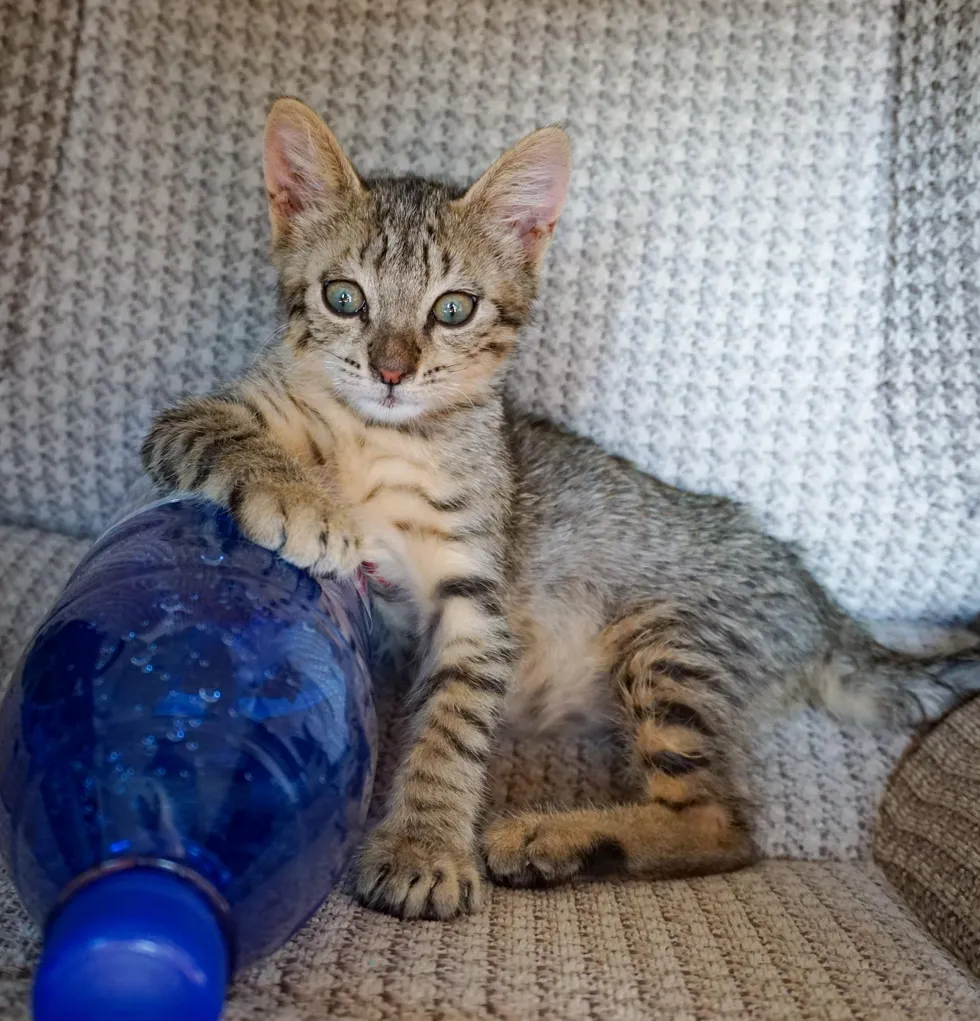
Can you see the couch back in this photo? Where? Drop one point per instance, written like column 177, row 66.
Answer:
column 764, row 283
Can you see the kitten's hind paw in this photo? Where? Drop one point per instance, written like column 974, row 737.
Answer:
column 408, row 875
column 529, row 850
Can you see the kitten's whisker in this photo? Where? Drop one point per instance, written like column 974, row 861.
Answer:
column 273, row 337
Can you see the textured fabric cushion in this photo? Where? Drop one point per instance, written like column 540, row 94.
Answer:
column 782, row 942
column 781, row 939
column 717, row 299
column 928, row 834
column 931, row 367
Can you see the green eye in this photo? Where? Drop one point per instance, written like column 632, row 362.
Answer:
column 454, row 308
column 344, row 297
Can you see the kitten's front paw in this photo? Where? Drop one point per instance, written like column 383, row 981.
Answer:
column 410, row 875
column 298, row 522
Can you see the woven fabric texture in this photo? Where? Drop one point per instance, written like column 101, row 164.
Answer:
column 714, row 307
column 931, row 364
column 778, row 942
column 764, row 285
column 782, row 942
column 926, row 839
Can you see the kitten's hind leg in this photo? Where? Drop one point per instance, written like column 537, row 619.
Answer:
column 688, row 819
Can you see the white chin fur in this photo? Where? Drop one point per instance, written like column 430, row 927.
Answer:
column 400, row 411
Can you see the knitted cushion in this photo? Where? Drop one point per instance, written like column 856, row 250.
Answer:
column 717, row 303
column 928, row 833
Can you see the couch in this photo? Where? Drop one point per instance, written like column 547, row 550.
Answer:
column 765, row 285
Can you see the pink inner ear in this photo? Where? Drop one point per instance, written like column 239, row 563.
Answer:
column 532, row 230
column 290, row 171
column 527, row 187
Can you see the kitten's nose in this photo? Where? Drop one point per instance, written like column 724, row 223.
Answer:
column 391, row 376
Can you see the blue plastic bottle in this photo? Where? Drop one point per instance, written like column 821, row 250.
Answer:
column 186, row 759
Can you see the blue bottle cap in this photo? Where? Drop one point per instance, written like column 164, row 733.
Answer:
column 135, row 945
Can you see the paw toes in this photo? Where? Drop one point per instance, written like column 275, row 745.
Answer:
column 408, row 879
column 527, row 852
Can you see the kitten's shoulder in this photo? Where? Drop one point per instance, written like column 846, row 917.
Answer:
column 535, row 437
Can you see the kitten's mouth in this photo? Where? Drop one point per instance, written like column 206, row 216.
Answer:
column 391, row 406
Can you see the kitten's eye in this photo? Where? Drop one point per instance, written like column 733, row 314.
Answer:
column 454, row 308
column 344, row 297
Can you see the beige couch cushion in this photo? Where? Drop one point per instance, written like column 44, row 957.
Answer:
column 785, row 941
column 782, row 942
column 928, row 834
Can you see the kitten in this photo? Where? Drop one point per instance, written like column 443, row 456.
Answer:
column 525, row 568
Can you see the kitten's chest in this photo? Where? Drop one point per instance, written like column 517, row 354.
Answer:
column 403, row 499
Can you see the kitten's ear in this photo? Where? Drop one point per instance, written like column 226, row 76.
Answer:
column 524, row 191
column 304, row 164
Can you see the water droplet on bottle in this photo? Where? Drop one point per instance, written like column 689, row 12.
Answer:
column 205, row 663
column 209, row 696
column 248, row 776
column 113, row 756
column 160, row 771
column 192, row 746
column 132, row 634
column 185, row 774
column 195, row 723
column 212, row 559
column 148, row 669
column 171, row 604
column 149, row 742
column 196, row 596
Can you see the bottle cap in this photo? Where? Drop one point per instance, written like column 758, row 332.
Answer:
column 136, row 944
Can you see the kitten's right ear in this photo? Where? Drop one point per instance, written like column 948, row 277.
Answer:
column 524, row 191
column 304, row 164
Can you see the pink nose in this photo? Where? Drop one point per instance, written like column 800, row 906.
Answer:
column 391, row 376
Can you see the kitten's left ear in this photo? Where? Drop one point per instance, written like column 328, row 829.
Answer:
column 524, row 191
column 304, row 164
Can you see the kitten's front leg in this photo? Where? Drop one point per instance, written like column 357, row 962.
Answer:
column 227, row 448
column 422, row 861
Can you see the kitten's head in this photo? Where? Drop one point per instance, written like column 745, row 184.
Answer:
column 409, row 292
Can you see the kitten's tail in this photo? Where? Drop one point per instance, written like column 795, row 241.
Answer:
column 870, row 683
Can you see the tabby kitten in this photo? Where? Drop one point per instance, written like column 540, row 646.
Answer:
column 523, row 568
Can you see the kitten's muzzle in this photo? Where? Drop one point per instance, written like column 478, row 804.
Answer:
column 393, row 356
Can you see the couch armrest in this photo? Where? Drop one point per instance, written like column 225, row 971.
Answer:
column 928, row 835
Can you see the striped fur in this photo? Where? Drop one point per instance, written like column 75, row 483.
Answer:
column 525, row 571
